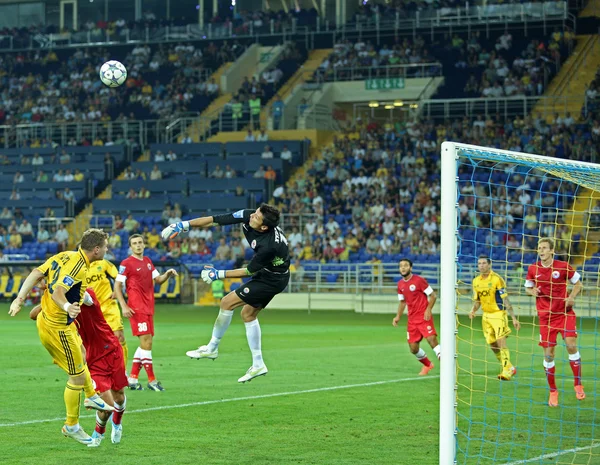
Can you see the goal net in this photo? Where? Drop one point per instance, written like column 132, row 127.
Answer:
column 500, row 204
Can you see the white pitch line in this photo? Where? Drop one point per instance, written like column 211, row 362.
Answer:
column 554, row 454
column 235, row 399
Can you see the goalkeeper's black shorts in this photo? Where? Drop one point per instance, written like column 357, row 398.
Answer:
column 263, row 286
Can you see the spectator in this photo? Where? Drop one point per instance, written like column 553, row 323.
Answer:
column 249, row 136
column 18, row 178
column 26, row 231
column 230, row 173
column 267, row 153
column 42, row 235
column 64, row 158
column 237, row 251
column 68, row 195
column 144, row 193
column 129, row 175
column 41, row 177
column 6, row 214
column 262, row 136
column 15, row 241
column 131, row 224
column 114, row 241
column 78, row 176
column 153, row 239
column 37, row 160
column 270, row 174
column 277, row 112
column 223, row 250
column 239, row 191
column 159, row 157
column 139, row 175
column 171, row 156
column 260, row 172
column 132, row 194
column 217, row 173
column 155, row 174
column 62, row 237
column 14, row 195
column 372, row 244
column 68, row 177
column 286, row 155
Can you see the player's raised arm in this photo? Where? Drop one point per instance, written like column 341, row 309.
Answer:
column 34, row 277
column 173, row 230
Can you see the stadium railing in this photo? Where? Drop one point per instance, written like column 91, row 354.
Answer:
column 505, row 106
column 388, row 72
column 487, row 15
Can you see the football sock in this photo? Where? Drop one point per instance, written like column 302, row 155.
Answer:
column 72, row 398
column 125, row 351
column 88, row 386
column 575, row 362
column 146, row 361
column 550, row 374
column 422, row 357
column 100, row 424
column 221, row 324
column 438, row 351
column 253, row 335
column 117, row 415
column 136, row 365
column 505, row 359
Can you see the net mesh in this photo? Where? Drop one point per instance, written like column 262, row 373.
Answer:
column 506, row 203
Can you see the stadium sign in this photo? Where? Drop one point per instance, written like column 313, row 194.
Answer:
column 384, row 84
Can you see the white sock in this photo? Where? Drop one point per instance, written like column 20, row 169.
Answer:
column 99, row 420
column 420, row 354
column 122, row 406
column 72, row 429
column 548, row 364
column 253, row 335
column 221, row 324
column 438, row 351
column 145, row 356
column 574, row 356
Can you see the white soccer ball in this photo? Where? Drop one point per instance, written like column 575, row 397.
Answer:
column 113, row 73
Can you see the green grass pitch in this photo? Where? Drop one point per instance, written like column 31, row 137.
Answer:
column 342, row 388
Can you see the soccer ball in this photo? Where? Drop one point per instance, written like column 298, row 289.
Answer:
column 113, row 73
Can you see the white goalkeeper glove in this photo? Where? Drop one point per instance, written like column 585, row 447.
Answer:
column 174, row 230
column 210, row 274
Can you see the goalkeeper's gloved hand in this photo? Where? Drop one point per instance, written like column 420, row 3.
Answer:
column 210, row 274
column 173, row 230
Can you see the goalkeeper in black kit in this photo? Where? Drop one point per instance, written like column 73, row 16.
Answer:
column 269, row 269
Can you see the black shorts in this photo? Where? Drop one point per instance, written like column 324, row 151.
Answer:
column 261, row 289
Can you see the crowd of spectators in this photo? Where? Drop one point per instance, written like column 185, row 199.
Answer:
column 501, row 72
column 592, row 101
column 356, row 60
column 50, row 86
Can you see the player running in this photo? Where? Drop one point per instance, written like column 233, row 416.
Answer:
column 104, row 357
column 65, row 275
column 138, row 275
column 269, row 269
column 99, row 278
column 489, row 293
column 417, row 294
column 547, row 281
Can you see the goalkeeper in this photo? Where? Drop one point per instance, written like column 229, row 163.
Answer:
column 270, row 273
column 489, row 293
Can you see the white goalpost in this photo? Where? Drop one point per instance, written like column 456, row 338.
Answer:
column 499, row 204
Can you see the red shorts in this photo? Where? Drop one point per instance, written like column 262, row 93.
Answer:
column 141, row 324
column 109, row 372
column 415, row 332
column 565, row 325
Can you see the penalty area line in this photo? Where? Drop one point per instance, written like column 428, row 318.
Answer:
column 234, row 399
column 552, row 455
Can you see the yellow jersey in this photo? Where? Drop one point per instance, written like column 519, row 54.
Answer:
column 67, row 270
column 97, row 279
column 490, row 292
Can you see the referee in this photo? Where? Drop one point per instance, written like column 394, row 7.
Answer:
column 269, row 271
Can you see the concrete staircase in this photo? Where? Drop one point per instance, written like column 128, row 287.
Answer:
column 577, row 219
column 566, row 92
column 304, row 73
